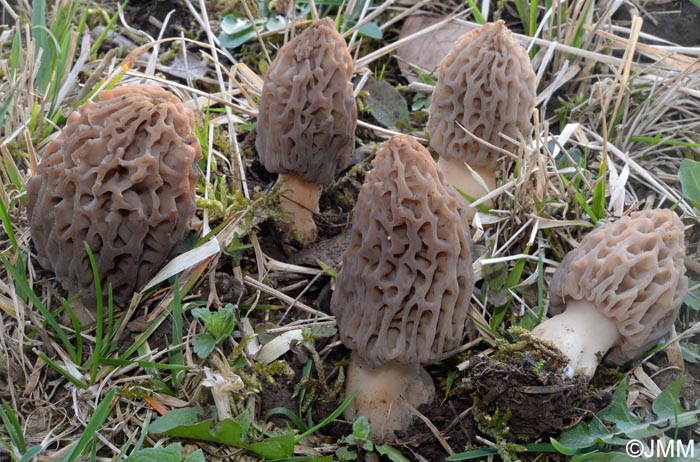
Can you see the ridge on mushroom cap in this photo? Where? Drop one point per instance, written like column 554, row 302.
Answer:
column 308, row 113
column 486, row 84
column 633, row 271
column 121, row 177
column 403, row 292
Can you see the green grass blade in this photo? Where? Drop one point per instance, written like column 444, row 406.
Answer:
column 98, row 418
column 334, row 415
column 598, row 203
column 13, row 427
column 40, row 34
column 68, row 376
column 24, row 290
column 97, row 357
column 103, row 35
column 476, row 12
column 7, row 223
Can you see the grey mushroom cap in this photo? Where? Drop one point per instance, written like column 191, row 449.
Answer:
column 403, row 292
column 120, row 177
column 632, row 270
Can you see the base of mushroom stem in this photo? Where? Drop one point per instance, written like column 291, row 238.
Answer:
column 300, row 199
column 582, row 333
column 460, row 177
column 387, row 395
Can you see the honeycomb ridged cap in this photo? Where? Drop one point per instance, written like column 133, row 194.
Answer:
column 404, row 288
column 632, row 270
column 120, row 177
column 307, row 118
column 486, row 84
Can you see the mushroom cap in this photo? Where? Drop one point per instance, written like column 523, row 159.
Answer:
column 403, row 292
column 485, row 84
column 633, row 271
column 307, row 118
column 121, row 177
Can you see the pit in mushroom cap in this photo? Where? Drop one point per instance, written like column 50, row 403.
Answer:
column 121, row 177
column 401, row 298
column 486, row 84
column 306, row 124
column 619, row 292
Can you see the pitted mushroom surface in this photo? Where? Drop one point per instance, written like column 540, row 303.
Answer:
column 402, row 296
column 486, row 84
column 120, row 177
column 306, row 124
column 620, row 291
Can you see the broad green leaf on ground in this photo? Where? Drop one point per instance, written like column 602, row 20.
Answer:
column 689, row 175
column 371, row 30
column 616, row 425
column 691, row 352
column 386, row 104
column 187, row 423
column 172, row 453
column 692, row 298
column 235, row 31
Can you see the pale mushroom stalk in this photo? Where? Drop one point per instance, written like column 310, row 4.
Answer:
column 619, row 291
column 300, row 198
column 383, row 392
column 571, row 332
column 306, row 123
column 459, row 175
column 402, row 295
column 485, row 89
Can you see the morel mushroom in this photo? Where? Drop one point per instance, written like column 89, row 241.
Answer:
column 485, row 85
column 306, row 124
column 402, row 296
column 619, row 292
column 120, row 177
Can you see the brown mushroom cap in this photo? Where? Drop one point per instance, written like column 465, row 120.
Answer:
column 403, row 292
column 632, row 270
column 307, row 116
column 485, row 84
column 121, row 177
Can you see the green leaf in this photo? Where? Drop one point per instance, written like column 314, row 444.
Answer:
column 691, row 352
column 235, row 32
column 223, row 322
column 204, row 344
column 172, row 453
column 185, row 423
column 203, row 314
column 386, row 104
column 392, row 453
column 345, row 454
column 692, row 298
column 473, row 454
column 371, row 30
column 274, row 448
column 604, row 457
column 361, row 428
column 689, row 175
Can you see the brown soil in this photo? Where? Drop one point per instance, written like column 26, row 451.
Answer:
column 540, row 399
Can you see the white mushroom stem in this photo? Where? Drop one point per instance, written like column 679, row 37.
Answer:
column 582, row 333
column 458, row 175
column 300, row 198
column 382, row 394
